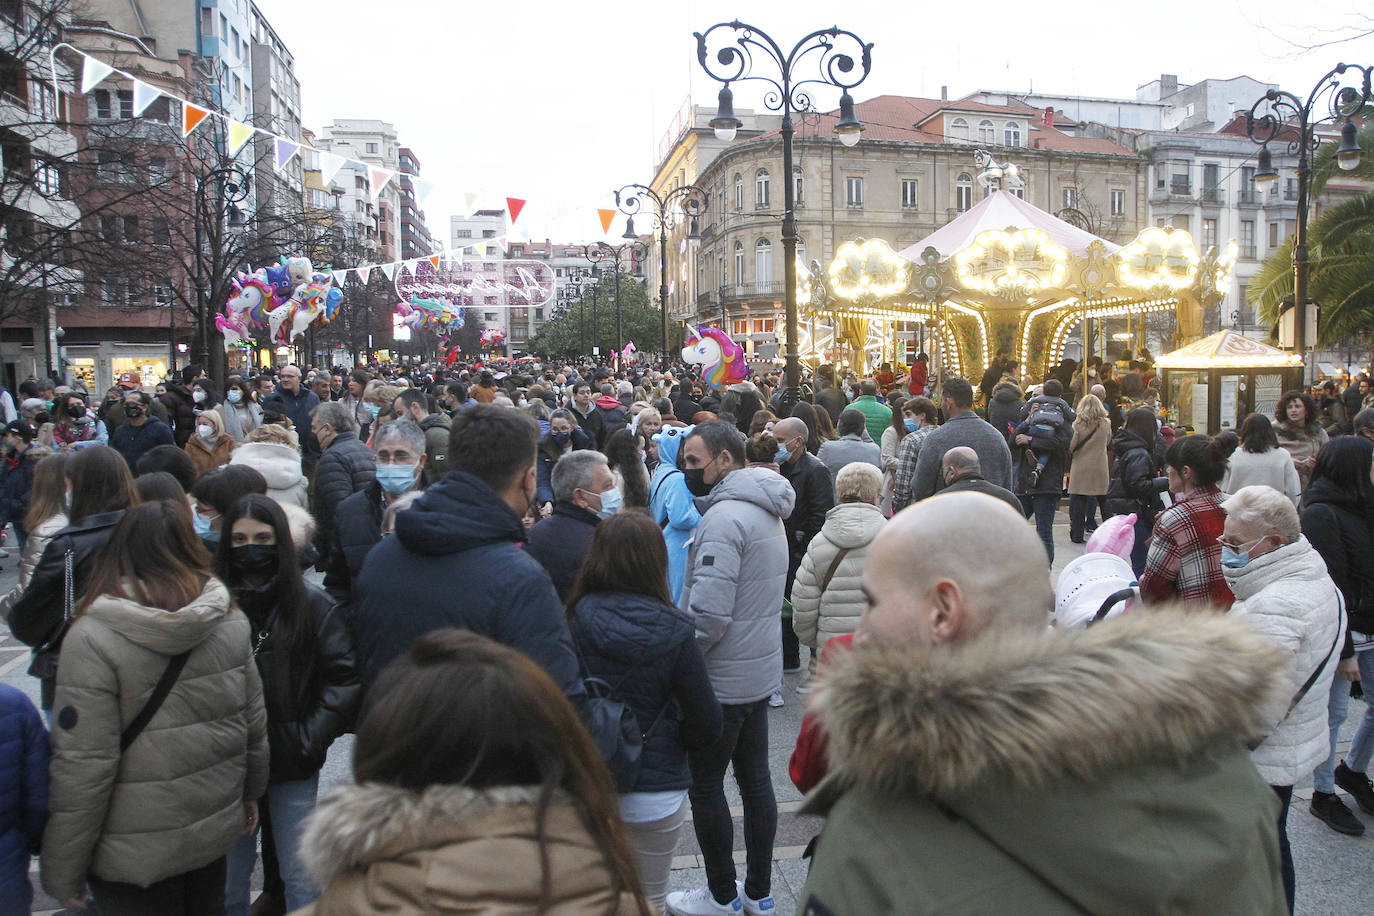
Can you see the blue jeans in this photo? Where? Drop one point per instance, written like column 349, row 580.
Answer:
column 1357, row 758
column 1337, row 705
column 1144, row 530
column 1043, row 508
column 288, row 804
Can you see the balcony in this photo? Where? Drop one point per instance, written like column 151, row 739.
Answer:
column 1247, row 252
column 1213, row 196
column 1248, row 197
column 754, row 290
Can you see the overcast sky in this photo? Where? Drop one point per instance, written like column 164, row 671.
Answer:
column 561, row 102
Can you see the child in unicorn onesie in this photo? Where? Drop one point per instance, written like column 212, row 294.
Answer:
column 672, row 506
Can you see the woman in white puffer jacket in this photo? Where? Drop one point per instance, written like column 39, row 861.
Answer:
column 1282, row 586
column 821, row 610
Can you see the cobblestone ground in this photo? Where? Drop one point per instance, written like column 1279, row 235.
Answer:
column 1334, row 873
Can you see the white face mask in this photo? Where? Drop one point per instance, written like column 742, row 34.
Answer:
column 198, row 397
column 206, row 432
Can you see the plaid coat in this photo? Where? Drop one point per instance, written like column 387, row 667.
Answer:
column 1184, row 563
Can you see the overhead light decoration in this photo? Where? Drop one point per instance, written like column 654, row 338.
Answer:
column 1159, row 258
column 865, row 270
column 1011, row 263
column 805, row 288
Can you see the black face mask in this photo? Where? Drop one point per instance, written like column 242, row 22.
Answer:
column 696, row 481
column 77, row 411
column 254, row 558
column 133, row 410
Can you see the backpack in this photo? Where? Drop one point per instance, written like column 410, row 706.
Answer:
column 1047, row 413
column 614, row 727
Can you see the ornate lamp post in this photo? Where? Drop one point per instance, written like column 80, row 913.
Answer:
column 688, row 198
column 836, row 51
column 1338, row 95
column 604, row 256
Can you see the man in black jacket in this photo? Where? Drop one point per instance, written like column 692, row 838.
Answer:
column 346, row 467
column 181, row 406
column 815, row 492
column 581, row 480
column 297, row 403
column 139, row 432
column 456, row 559
column 961, row 471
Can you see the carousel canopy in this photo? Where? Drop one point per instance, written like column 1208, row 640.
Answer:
column 1228, row 350
column 998, row 211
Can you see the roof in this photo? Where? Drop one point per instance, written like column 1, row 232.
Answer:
column 1227, row 349
column 897, row 117
column 1001, row 210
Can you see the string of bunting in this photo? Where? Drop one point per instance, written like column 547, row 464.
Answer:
column 95, row 71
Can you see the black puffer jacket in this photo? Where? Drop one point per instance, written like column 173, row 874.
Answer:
column 357, row 529
column 1338, row 525
column 647, row 652
column 560, row 544
column 181, row 411
column 1135, row 486
column 308, row 707
column 346, row 467
column 815, row 493
column 1007, row 408
column 39, row 614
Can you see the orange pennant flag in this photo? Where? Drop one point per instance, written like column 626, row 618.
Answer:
column 607, row 216
column 191, row 116
column 434, row 261
column 516, row 205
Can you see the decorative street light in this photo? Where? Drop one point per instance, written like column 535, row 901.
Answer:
column 688, row 198
column 605, row 256
column 231, row 186
column 1338, row 95
column 836, row 66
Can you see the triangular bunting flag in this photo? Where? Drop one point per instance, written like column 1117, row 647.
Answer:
column 144, row 95
column 239, row 134
column 413, row 265
column 422, row 191
column 340, row 278
column 93, row 73
column 469, row 202
column 389, row 270
column 363, row 272
column 378, row 178
column 286, row 150
column 434, row 261
column 607, row 217
column 330, row 165
column 504, row 243
column 516, row 205
column 480, row 248
column 191, row 116
column 672, row 287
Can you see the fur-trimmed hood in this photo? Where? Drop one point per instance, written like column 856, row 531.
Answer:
column 1023, row 709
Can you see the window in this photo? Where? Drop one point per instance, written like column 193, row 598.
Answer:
column 1290, row 189
column 109, row 227
column 1159, row 176
column 372, row 148
column 739, row 326
column 1070, row 197
column 1247, row 238
column 47, row 179
column 987, row 132
column 1011, row 134
column 462, row 233
column 739, row 192
column 739, row 262
column 1181, row 221
column 761, row 189
column 488, row 233
column 162, row 296
column 763, row 325
column 131, row 233
column 763, row 261
column 157, row 169
column 42, row 102
column 963, row 192
column 102, row 104
column 853, row 191
column 1209, row 234
column 1180, row 177
column 1118, row 202
column 161, row 231
column 490, row 316
column 909, row 194
column 490, row 300
column 797, row 185
column 958, row 129
column 1275, row 234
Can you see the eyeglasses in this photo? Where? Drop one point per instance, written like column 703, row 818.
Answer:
column 1240, row 548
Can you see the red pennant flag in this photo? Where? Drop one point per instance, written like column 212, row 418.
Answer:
column 516, row 205
column 607, row 216
column 191, row 116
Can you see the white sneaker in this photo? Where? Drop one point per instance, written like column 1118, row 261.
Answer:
column 805, row 688
column 761, row 907
column 776, row 699
column 699, row 902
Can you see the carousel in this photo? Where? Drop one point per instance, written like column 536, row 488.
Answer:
column 1005, row 275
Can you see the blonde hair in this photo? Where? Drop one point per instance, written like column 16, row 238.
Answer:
column 858, row 482
column 1091, row 411
column 384, row 396
column 276, row 433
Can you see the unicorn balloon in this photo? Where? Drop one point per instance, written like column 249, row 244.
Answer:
column 721, row 359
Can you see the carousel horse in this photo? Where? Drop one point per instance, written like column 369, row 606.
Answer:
column 721, row 359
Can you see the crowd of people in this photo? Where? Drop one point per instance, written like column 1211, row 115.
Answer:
column 555, row 603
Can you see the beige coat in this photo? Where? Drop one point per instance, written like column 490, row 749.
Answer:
column 816, row 617
column 1301, row 444
column 377, row 848
column 1088, row 474
column 173, row 801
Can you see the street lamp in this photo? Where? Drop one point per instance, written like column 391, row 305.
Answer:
column 688, row 198
column 1338, row 95
column 604, row 256
column 843, row 61
column 231, row 187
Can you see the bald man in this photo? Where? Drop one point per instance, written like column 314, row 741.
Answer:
column 815, row 491
column 979, row 760
column 962, row 473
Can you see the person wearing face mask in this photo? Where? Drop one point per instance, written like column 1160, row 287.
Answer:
column 584, row 493
column 311, row 689
column 345, row 467
column 139, row 432
column 210, row 447
column 239, row 413
column 564, row 437
column 1281, row 585
column 181, row 404
column 672, row 505
column 1184, row 562
column 736, row 574
column 815, row 496
column 212, row 495
column 462, row 538
column 75, row 426
column 400, row 448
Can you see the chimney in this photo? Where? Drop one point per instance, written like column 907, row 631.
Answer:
column 944, row 93
column 1049, row 116
column 1168, row 85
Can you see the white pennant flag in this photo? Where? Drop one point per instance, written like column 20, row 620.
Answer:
column 469, row 202
column 389, row 270
column 330, row 165
column 93, row 73
column 144, row 95
column 363, row 272
column 340, row 278
column 423, row 189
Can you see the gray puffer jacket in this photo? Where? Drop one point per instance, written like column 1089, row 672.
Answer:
column 736, row 573
column 173, row 801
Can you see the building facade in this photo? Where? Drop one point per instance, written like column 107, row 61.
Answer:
column 416, row 241
column 369, row 142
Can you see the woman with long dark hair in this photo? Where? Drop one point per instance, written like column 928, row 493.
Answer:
column 75, row 425
column 1298, row 426
column 1258, row 461
column 1136, row 481
column 626, row 461
column 160, row 740
column 628, row 632
column 477, row 784
column 310, row 681
column 1184, row 560
column 99, row 488
column 46, row 515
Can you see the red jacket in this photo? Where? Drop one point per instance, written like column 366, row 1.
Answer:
column 808, row 764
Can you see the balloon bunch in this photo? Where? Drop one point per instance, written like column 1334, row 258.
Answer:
column 286, row 297
column 437, row 315
column 494, row 337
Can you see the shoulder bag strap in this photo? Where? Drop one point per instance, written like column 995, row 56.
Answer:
column 145, row 715
column 1086, row 440
column 834, row 566
column 1326, row 659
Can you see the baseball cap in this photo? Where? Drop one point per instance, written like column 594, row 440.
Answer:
column 22, row 429
column 130, row 380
